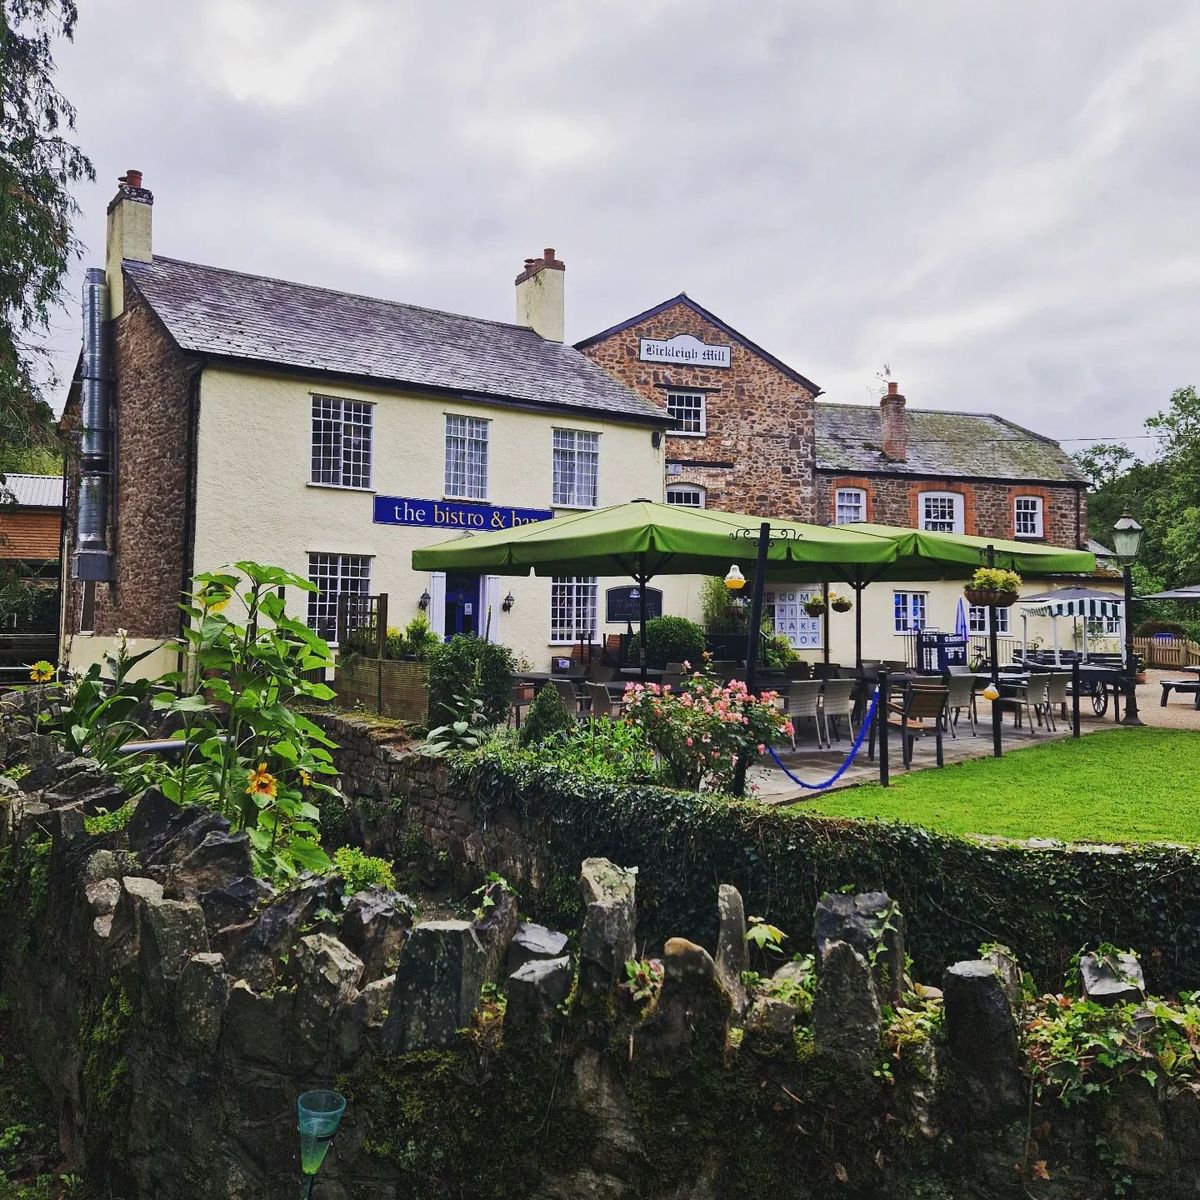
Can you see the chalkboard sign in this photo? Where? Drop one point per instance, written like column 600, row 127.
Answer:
column 622, row 604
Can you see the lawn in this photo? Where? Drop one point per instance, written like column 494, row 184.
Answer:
column 1123, row 785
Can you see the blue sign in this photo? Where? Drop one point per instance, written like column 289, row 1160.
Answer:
column 453, row 514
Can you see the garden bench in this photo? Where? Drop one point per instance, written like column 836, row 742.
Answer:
column 1190, row 686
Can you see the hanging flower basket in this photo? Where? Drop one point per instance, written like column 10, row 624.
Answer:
column 990, row 597
column 815, row 607
column 992, row 587
column 841, row 604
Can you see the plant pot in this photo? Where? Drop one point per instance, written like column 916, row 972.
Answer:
column 842, row 606
column 989, row 598
column 1140, row 677
column 815, row 608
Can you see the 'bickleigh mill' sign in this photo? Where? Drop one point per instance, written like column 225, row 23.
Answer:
column 683, row 348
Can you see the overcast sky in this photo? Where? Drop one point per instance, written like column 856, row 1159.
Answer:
column 996, row 199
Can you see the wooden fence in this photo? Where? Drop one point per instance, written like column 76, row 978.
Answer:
column 1167, row 651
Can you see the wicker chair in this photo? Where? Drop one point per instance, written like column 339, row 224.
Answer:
column 837, row 703
column 571, row 699
column 961, row 694
column 602, row 702
column 802, row 698
column 1056, row 696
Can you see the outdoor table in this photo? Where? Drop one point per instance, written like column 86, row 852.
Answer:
column 1193, row 671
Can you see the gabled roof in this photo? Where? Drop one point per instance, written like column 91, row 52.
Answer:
column 31, row 491
column 254, row 319
column 940, row 444
column 729, row 331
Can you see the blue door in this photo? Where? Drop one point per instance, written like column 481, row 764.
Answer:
column 462, row 604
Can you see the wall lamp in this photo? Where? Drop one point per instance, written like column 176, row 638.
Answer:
column 423, row 602
column 507, row 603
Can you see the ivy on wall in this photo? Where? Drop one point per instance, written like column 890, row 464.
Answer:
column 954, row 893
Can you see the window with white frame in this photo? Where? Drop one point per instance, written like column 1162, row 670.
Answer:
column 909, row 610
column 686, row 495
column 466, row 458
column 341, row 442
column 576, row 465
column 941, row 512
column 686, row 410
column 850, row 505
column 572, row 608
column 1027, row 516
column 334, row 574
column 1113, row 626
column 977, row 619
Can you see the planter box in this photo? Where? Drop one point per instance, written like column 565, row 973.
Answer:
column 391, row 688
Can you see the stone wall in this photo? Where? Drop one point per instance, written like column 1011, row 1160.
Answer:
column 759, row 453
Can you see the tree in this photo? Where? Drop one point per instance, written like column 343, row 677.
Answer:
column 1104, row 462
column 38, row 165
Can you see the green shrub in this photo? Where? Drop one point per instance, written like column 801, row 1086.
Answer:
column 1152, row 628
column 601, row 749
column 670, row 639
column 419, row 638
column 107, row 822
column 361, row 870
column 777, row 650
column 470, row 668
column 395, row 646
column 722, row 612
column 547, row 716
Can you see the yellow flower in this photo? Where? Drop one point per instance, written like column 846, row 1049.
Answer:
column 41, row 672
column 305, row 777
column 260, row 782
column 215, row 601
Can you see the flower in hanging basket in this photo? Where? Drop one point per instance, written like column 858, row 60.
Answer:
column 840, row 603
column 991, row 586
column 815, row 607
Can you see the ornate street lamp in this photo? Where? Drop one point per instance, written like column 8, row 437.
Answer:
column 319, row 1112
column 1127, row 537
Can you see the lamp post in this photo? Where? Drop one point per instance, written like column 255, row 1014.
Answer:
column 1127, row 536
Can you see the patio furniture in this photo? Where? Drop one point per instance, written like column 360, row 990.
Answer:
column 603, row 704
column 837, row 703
column 570, row 697
column 802, row 698
column 798, row 670
column 1056, row 696
column 1182, row 686
column 827, row 670
column 600, row 672
column 1028, row 696
column 960, row 694
column 917, row 714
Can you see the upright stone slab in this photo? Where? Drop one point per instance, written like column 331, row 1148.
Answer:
column 438, row 980
column 846, row 1018
column 376, row 923
column 691, row 1014
column 326, row 973
column 982, row 1036
column 533, row 942
column 200, row 999
column 732, row 956
column 1009, row 971
column 171, row 932
column 214, row 864
column 1112, row 980
column 535, row 990
column 606, row 941
column 872, row 924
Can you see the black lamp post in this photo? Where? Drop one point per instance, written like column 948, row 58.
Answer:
column 1127, row 536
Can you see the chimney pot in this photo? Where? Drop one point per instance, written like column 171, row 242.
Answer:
column 893, row 424
column 893, row 387
column 548, row 254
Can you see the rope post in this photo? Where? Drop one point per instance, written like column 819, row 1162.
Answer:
column 881, row 716
column 994, row 654
column 1076, row 683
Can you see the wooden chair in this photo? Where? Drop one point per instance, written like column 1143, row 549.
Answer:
column 918, row 713
column 837, row 703
column 960, row 694
column 802, row 698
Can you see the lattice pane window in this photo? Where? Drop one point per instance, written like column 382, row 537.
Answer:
column 573, row 608
column 686, row 410
column 686, row 495
column 977, row 621
column 576, row 466
column 1028, row 516
column 466, row 458
column 941, row 512
column 909, row 611
column 850, row 505
column 334, row 574
column 341, row 442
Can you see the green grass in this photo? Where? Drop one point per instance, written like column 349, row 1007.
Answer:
column 1123, row 785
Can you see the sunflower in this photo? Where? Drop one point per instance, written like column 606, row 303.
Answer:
column 260, row 782
column 41, row 672
column 215, row 600
column 305, row 777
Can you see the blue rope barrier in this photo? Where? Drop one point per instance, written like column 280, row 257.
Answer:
column 854, row 749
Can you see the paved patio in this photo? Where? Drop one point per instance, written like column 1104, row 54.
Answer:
column 772, row 786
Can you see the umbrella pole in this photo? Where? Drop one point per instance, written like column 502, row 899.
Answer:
column 641, row 578
column 994, row 650
column 858, row 591
column 825, row 622
column 752, row 636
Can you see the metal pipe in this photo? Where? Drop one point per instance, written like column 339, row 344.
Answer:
column 93, row 559
column 753, row 635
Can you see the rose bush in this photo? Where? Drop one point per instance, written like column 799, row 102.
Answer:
column 705, row 728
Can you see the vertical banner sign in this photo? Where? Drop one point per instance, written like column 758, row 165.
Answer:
column 786, row 608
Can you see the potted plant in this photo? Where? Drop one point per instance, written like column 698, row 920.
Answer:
column 993, row 587
column 840, row 603
column 815, row 607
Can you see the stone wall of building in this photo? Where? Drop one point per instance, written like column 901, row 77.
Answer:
column 758, row 456
column 148, row 507
column 988, row 508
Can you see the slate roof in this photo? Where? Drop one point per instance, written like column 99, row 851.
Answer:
column 31, row 491
column 940, row 444
column 231, row 315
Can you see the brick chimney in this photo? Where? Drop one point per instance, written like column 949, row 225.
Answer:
column 540, row 296
column 893, row 425
column 128, row 237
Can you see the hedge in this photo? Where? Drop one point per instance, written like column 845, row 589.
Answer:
column 1045, row 903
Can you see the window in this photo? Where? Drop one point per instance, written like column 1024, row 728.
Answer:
column 334, row 574
column 341, row 442
column 466, row 458
column 576, row 462
column 1027, row 520
column 909, row 609
column 686, row 410
column 686, row 495
column 977, row 619
column 941, row 512
column 573, row 608
column 850, row 505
